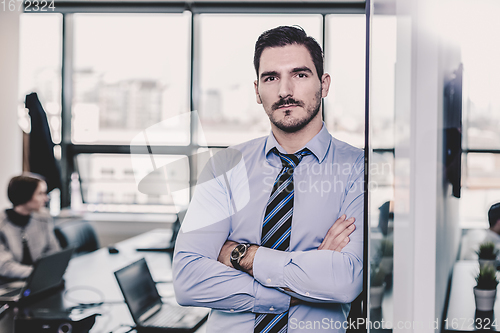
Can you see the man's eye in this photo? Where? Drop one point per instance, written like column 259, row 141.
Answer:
column 270, row 78
column 301, row 75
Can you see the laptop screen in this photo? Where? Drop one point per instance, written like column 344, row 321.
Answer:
column 138, row 288
column 48, row 272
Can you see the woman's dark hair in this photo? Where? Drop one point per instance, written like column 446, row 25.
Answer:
column 21, row 188
column 494, row 214
column 283, row 36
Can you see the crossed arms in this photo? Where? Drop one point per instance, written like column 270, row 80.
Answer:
column 203, row 275
column 335, row 240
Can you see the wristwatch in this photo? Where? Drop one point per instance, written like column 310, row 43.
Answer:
column 237, row 254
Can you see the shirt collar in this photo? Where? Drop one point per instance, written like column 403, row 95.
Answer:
column 318, row 145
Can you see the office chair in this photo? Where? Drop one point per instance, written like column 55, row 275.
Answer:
column 79, row 234
column 386, row 215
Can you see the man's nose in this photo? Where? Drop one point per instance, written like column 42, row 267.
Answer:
column 286, row 88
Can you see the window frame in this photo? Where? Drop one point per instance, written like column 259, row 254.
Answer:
column 70, row 150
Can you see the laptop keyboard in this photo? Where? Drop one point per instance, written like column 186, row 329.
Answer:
column 167, row 316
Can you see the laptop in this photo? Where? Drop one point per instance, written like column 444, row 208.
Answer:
column 47, row 274
column 162, row 246
column 146, row 307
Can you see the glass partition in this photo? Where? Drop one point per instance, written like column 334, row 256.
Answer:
column 381, row 186
column 345, row 62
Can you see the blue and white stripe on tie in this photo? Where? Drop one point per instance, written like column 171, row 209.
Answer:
column 277, row 228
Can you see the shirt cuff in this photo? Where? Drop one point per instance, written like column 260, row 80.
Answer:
column 270, row 300
column 269, row 265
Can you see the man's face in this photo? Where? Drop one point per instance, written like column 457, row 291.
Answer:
column 288, row 87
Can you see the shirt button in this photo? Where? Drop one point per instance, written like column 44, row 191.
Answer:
column 307, row 294
column 271, row 309
column 268, row 280
column 232, row 310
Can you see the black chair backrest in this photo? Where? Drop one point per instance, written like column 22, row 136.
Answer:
column 79, row 234
column 176, row 227
column 384, row 217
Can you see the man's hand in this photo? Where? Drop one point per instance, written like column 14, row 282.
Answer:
column 225, row 253
column 337, row 236
column 295, row 301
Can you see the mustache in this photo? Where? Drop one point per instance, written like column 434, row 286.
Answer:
column 286, row 101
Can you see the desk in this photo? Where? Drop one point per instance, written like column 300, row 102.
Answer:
column 95, row 271
column 461, row 314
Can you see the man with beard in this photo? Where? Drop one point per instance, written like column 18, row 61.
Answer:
column 273, row 238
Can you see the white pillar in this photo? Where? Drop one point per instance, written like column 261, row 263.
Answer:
column 425, row 239
column 10, row 133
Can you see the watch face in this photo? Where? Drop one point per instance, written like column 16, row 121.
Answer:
column 238, row 251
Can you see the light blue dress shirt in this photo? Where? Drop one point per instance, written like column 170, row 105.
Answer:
column 229, row 203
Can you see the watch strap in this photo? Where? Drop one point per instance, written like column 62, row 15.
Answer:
column 236, row 264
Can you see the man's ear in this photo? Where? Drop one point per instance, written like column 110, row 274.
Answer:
column 325, row 84
column 257, row 95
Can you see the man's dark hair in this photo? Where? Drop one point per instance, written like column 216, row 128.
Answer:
column 494, row 214
column 283, row 36
column 21, row 188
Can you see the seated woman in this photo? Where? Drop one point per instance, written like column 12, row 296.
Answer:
column 26, row 230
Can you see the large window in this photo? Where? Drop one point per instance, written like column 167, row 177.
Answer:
column 40, row 67
column 110, row 182
column 481, row 110
column 130, row 72
column 125, row 81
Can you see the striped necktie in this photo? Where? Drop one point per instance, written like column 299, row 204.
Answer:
column 277, row 228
